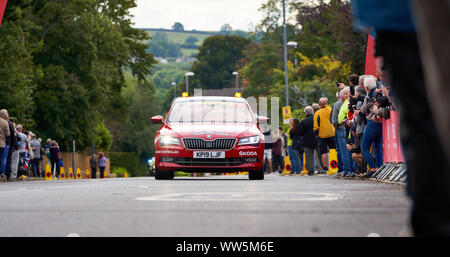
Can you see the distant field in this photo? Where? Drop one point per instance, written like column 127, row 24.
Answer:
column 188, row 52
column 180, row 37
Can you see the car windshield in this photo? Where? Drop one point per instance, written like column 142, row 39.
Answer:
column 210, row 111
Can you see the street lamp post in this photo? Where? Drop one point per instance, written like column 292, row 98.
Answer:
column 237, row 79
column 174, row 89
column 285, row 53
column 188, row 74
column 294, row 45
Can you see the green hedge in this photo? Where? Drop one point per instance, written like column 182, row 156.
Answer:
column 128, row 160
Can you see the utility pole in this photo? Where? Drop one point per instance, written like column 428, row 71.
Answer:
column 174, row 89
column 237, row 79
column 285, row 53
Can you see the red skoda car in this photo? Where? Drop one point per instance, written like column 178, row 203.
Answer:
column 209, row 134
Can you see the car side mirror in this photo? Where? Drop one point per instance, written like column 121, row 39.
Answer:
column 157, row 119
column 263, row 119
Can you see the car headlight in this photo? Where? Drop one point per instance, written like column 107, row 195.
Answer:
column 254, row 140
column 168, row 140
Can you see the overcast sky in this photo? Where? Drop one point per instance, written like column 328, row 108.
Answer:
column 207, row 15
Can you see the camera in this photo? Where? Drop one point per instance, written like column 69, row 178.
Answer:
column 382, row 100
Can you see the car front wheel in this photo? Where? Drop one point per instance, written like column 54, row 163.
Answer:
column 160, row 174
column 256, row 175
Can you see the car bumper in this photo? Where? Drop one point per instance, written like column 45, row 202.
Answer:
column 244, row 158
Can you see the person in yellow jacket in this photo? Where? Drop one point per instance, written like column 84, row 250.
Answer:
column 324, row 130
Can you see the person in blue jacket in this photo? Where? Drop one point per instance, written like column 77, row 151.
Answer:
column 393, row 24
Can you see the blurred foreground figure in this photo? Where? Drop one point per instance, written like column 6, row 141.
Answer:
column 423, row 106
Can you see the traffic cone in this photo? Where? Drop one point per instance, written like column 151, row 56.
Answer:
column 78, row 175
column 62, row 173
column 88, row 174
column 287, row 166
column 332, row 162
column 71, row 173
column 125, row 175
column 48, row 173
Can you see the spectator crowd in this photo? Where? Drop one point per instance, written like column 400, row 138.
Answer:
column 22, row 153
column 352, row 126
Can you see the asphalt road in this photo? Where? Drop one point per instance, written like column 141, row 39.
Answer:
column 281, row 206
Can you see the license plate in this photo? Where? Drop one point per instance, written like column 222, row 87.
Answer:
column 209, row 155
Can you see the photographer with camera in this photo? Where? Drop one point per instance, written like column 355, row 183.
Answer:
column 359, row 124
column 373, row 133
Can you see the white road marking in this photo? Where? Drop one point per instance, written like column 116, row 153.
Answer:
column 373, row 235
column 73, row 235
column 232, row 197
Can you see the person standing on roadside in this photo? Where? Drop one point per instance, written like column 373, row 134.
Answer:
column 294, row 148
column 12, row 146
column 341, row 135
column 23, row 141
column 317, row 162
column 277, row 157
column 41, row 160
column 36, row 161
column 54, row 158
column 309, row 139
column 14, row 166
column 324, row 130
column 4, row 140
column 415, row 61
column 373, row 133
column 337, row 127
column 94, row 164
column 284, row 148
column 102, row 164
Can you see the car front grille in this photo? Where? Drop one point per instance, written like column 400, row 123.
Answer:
column 216, row 144
column 208, row 162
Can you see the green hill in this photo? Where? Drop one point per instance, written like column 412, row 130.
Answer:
column 170, row 42
column 179, row 39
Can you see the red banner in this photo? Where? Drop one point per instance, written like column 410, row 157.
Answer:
column 370, row 63
column 2, row 9
column 392, row 151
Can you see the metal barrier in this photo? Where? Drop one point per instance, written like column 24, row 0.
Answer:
column 391, row 172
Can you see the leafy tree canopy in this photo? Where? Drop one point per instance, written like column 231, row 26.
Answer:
column 217, row 59
column 63, row 61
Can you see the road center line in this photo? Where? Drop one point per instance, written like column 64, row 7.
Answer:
column 234, row 197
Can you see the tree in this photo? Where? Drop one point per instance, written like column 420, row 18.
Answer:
column 137, row 130
column 217, row 59
column 18, row 73
column 257, row 66
column 327, row 30
column 178, row 26
column 191, row 40
column 329, row 49
column 164, row 49
column 64, row 60
column 160, row 36
column 226, row 29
